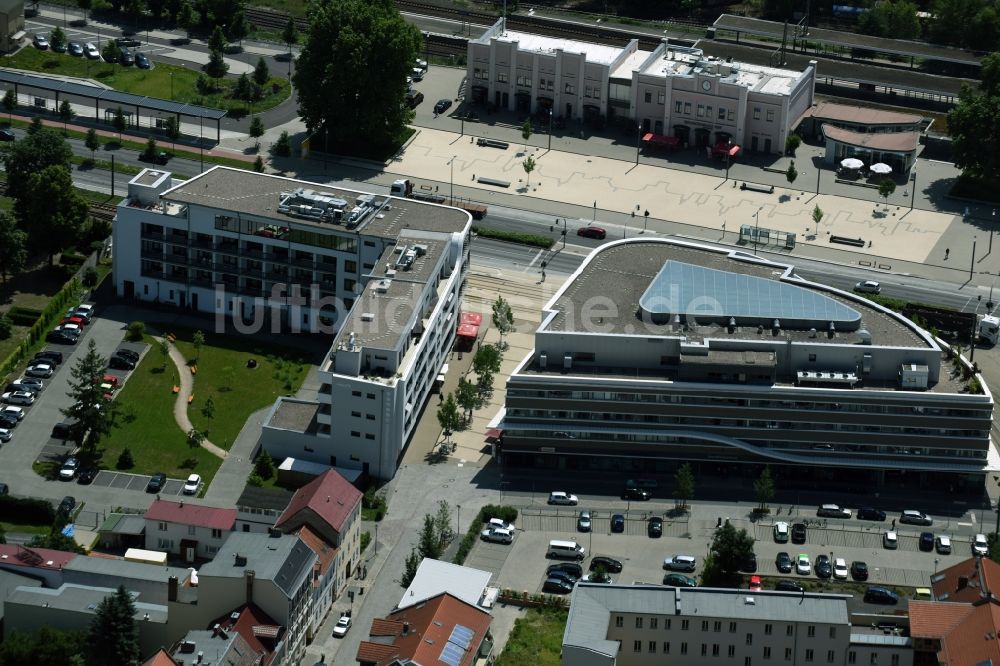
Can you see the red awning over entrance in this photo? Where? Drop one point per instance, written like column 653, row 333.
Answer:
column 661, row 140
column 468, row 331
column 473, row 318
column 723, row 149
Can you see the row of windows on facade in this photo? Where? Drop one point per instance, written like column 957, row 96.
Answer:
column 810, row 654
column 654, row 623
column 192, row 530
column 168, row 545
column 704, row 110
column 593, row 92
column 867, row 407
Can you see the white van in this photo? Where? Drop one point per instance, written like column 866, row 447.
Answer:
column 566, row 549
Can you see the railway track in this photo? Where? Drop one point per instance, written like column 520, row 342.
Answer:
column 103, row 211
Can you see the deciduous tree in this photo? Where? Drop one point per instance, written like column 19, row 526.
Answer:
column 448, row 416
column 283, row 146
column 429, row 543
column 118, row 122
column 763, row 488
column 683, row 485
column 886, row 188
column 410, row 568
column 111, row 53
column 256, row 130
column 44, row 647
column 526, row 131
column 32, row 154
column 238, row 27
column 730, row 549
column 13, row 247
column 92, row 142
column 351, row 43
column 290, row 35
column 467, row 397
column 52, row 209
column 487, row 360
column 528, row 165
column 791, row 174
column 503, row 319
column 208, row 411
column 10, row 103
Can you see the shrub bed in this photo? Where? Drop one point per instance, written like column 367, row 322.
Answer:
column 514, row 236
column 505, row 513
column 26, row 511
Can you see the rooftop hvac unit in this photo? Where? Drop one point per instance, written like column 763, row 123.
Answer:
column 913, row 376
column 420, row 249
column 382, row 286
column 567, row 361
column 367, row 316
column 865, row 337
column 543, row 361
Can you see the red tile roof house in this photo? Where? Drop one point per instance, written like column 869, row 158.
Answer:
column 961, row 626
column 191, row 531
column 247, row 636
column 440, row 630
column 326, row 514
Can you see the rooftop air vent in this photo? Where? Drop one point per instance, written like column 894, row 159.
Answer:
column 749, row 601
column 367, row 316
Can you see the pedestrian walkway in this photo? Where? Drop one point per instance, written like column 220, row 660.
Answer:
column 184, row 396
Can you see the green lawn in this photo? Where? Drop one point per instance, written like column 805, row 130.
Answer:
column 536, row 639
column 148, row 427
column 154, row 82
column 25, row 528
column 236, row 390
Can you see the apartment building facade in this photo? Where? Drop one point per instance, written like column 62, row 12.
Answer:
column 671, row 91
column 659, row 352
column 646, row 625
column 381, row 274
column 190, row 531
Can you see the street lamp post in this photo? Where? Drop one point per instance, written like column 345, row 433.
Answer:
column 638, row 142
column 458, row 519
column 376, row 538
column 550, row 128
column 973, row 335
column 756, row 229
column 913, row 188
column 451, row 163
column 645, row 220
column 972, row 263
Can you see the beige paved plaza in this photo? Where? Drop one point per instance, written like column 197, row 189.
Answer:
column 676, row 195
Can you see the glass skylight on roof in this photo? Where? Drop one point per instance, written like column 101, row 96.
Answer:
column 700, row 294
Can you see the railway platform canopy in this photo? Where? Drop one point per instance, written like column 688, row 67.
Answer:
column 847, row 42
column 108, row 100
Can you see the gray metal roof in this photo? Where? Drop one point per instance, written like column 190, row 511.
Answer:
column 284, row 559
column 124, row 569
column 124, row 523
column 14, row 77
column 81, row 599
column 592, row 605
column 9, row 581
column 275, row 499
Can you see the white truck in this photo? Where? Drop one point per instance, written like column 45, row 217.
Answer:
column 989, row 329
column 404, row 188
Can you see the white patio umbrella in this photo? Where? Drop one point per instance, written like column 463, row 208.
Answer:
column 881, row 169
column 851, row 163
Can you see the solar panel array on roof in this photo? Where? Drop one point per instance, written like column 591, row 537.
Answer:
column 458, row 643
column 707, row 294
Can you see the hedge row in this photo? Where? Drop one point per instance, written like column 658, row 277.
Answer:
column 23, row 316
column 505, row 513
column 514, row 236
column 26, row 511
column 40, row 328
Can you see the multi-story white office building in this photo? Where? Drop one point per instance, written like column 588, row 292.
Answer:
column 640, row 625
column 382, row 275
column 657, row 352
column 672, row 91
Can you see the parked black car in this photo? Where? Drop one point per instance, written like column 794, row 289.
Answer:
column 926, row 541
column 141, row 61
column 859, row 570
column 798, row 533
column 750, row 563
column 655, row 527
column 788, row 586
column 7, row 135
column 127, row 353
column 880, row 595
column 823, row 567
column 870, row 513
column 156, row 483
column 50, row 356
column 618, row 523
column 563, row 575
column 557, row 586
column 86, row 476
column 68, row 503
column 610, row 564
column 60, row 338
column 120, row 363
column 571, row 568
column 126, row 58
column 783, row 562
column 7, row 422
column 442, row 105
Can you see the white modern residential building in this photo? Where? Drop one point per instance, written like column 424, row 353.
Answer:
column 647, row 625
column 658, row 352
column 383, row 275
column 673, row 91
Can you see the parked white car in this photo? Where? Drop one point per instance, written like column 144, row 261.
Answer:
column 91, row 51
column 889, row 540
column 343, row 624
column 192, row 484
column 18, row 397
column 499, row 524
column 497, row 535
column 43, row 370
column 5, row 435
column 780, row 532
column 840, row 569
column 979, row 545
column 680, row 563
column 12, row 412
column 802, row 565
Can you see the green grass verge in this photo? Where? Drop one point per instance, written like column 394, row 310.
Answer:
column 148, row 427
column 149, row 82
column 109, row 144
column 513, row 236
column 536, row 639
column 25, row 528
column 236, row 390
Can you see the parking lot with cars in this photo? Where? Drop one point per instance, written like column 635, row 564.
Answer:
column 844, row 550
